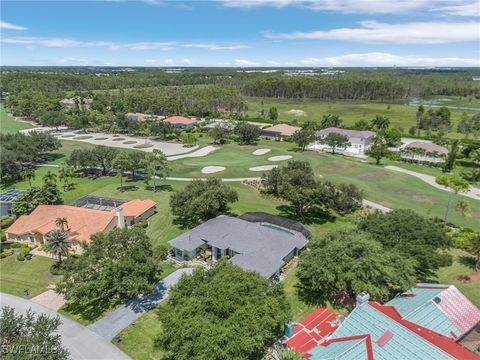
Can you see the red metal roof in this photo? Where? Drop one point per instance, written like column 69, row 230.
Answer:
column 312, row 330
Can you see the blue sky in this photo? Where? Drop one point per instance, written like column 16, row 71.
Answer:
column 243, row 33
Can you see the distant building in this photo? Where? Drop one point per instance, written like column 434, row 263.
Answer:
column 423, row 151
column 82, row 222
column 133, row 116
column 360, row 141
column 428, row 322
column 6, row 200
column 181, row 122
column 222, row 123
column 261, row 247
column 279, row 131
column 83, row 103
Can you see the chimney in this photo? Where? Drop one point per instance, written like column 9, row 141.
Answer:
column 362, row 298
column 120, row 217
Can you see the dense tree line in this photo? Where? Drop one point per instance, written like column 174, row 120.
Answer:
column 19, row 151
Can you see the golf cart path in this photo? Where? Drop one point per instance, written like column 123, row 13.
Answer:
column 110, row 325
column 81, row 342
column 473, row 192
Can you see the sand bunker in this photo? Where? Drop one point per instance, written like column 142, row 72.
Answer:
column 296, row 112
column 212, row 169
column 279, row 158
column 263, row 168
column 261, row 151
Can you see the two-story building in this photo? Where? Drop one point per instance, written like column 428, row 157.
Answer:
column 360, row 141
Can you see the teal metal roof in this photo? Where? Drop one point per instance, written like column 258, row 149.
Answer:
column 405, row 304
column 431, row 317
column 366, row 320
column 345, row 350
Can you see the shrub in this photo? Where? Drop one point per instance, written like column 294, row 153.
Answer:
column 161, row 251
column 15, row 245
column 20, row 256
column 8, row 252
column 25, row 249
column 28, row 257
column 6, row 221
column 56, row 269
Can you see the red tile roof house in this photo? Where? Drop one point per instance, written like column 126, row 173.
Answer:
column 181, row 122
column 360, row 141
column 424, row 151
column 82, row 222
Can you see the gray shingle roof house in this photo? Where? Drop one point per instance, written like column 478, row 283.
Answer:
column 260, row 247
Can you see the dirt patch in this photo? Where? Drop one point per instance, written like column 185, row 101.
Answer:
column 296, row 112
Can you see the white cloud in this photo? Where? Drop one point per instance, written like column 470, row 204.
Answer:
column 169, row 62
column 186, row 61
column 72, row 61
column 9, row 26
column 273, row 63
column 142, row 45
column 449, row 7
column 244, row 62
column 407, row 33
column 216, row 46
column 386, row 59
column 466, row 9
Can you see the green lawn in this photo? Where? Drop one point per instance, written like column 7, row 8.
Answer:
column 34, row 275
column 463, row 264
column 401, row 116
column 138, row 340
column 8, row 123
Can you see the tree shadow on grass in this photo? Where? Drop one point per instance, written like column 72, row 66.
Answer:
column 49, row 157
column 315, row 216
column 89, row 312
column 468, row 261
column 127, row 188
column 159, row 188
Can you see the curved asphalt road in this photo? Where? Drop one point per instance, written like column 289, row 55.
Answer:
column 81, row 342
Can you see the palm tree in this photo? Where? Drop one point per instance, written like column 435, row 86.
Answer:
column 50, row 178
column 381, row 123
column 28, row 174
column 463, row 208
column 65, row 174
column 474, row 249
column 456, row 184
column 58, row 243
column 62, row 223
column 156, row 165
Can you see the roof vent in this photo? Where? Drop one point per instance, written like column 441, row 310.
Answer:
column 437, row 300
column 362, row 298
column 385, row 338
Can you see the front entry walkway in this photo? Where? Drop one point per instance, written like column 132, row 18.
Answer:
column 116, row 321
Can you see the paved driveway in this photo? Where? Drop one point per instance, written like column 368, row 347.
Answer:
column 78, row 339
column 116, row 321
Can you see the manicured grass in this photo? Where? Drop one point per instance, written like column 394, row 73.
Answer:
column 8, row 123
column 401, row 115
column 143, row 146
column 101, row 138
column 299, row 309
column 118, row 139
column 138, row 340
column 130, row 142
column 34, row 275
column 83, row 137
column 463, row 264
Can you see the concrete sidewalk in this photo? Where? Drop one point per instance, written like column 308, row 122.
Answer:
column 472, row 193
column 81, row 342
column 116, row 321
